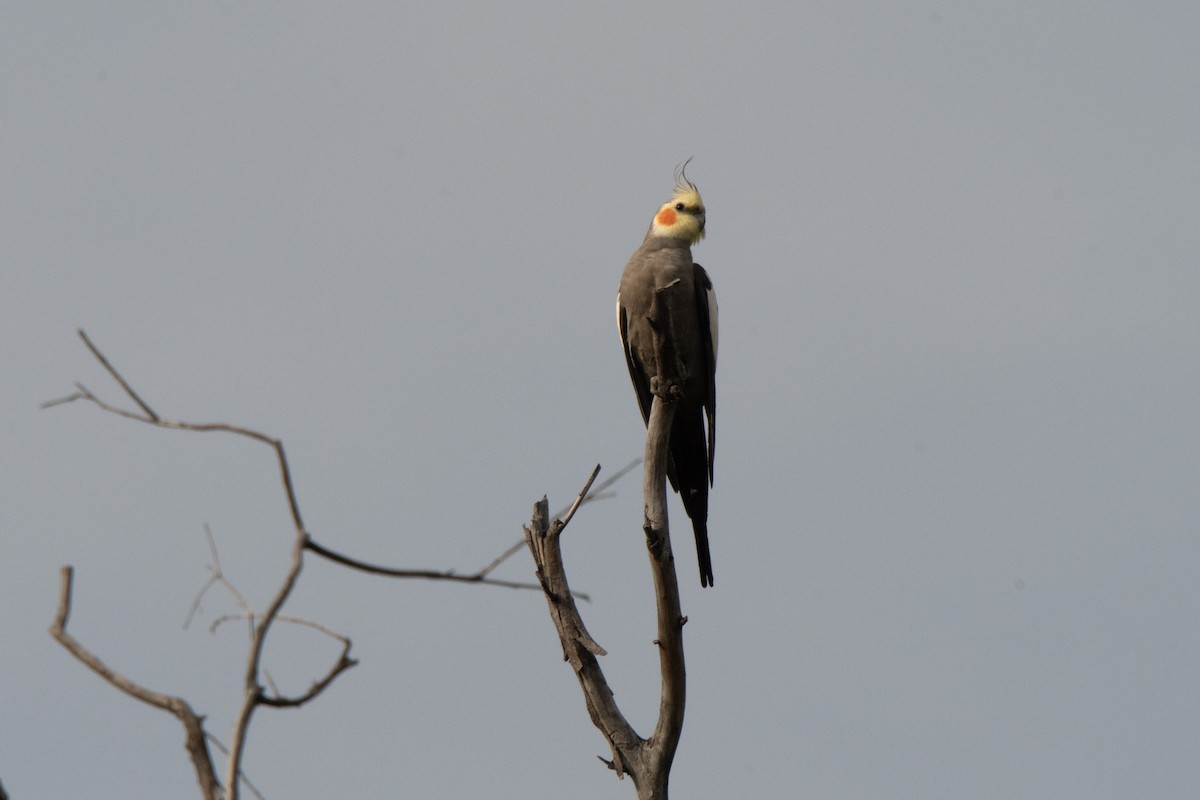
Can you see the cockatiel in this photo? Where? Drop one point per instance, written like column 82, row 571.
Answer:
column 665, row 258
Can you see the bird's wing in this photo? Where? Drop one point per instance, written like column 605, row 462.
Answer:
column 706, row 308
column 641, row 384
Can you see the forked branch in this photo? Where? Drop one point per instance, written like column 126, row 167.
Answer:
column 254, row 694
column 647, row 761
column 149, row 416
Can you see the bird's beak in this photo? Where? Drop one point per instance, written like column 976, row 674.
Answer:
column 700, row 216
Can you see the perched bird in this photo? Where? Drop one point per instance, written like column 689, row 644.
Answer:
column 665, row 260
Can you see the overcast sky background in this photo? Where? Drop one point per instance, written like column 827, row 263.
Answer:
column 956, row 515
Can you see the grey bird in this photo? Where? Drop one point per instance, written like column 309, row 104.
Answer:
column 664, row 259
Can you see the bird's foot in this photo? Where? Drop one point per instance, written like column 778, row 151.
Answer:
column 669, row 392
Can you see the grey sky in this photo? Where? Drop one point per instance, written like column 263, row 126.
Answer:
column 954, row 527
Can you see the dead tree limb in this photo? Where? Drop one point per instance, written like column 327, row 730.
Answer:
column 475, row 577
column 647, row 761
column 193, row 724
column 429, row 574
column 595, row 494
column 253, row 692
column 149, row 416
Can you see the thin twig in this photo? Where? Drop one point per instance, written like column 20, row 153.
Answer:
column 117, row 376
column 260, row 624
column 218, row 577
column 592, row 497
column 344, row 663
column 225, row 750
column 288, row 618
column 562, row 523
column 252, row 695
column 150, row 417
column 448, row 575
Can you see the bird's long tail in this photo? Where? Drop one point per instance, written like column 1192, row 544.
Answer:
column 700, row 528
column 689, row 473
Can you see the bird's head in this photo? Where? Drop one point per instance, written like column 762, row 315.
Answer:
column 681, row 217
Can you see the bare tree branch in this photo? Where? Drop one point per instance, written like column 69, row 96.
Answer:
column 218, row 577
column 193, row 724
column 591, row 497
column 344, row 663
column 253, row 694
column 252, row 691
column 660, row 752
column 647, row 761
column 225, row 751
column 476, row 577
column 579, row 648
column 391, row 572
column 149, row 416
column 117, row 376
column 564, row 521
column 276, row 699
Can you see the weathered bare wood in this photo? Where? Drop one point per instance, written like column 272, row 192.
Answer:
column 253, row 694
column 666, row 387
column 670, row 619
column 646, row 761
column 429, row 574
column 579, row 648
column 193, row 724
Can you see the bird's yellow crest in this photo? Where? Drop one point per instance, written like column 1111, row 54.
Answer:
column 681, row 217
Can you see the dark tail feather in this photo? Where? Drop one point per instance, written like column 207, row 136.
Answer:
column 695, row 503
column 700, row 528
column 689, row 468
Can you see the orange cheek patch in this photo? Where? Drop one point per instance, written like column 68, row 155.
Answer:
column 666, row 217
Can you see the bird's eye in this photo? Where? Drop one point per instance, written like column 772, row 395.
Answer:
column 679, row 206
